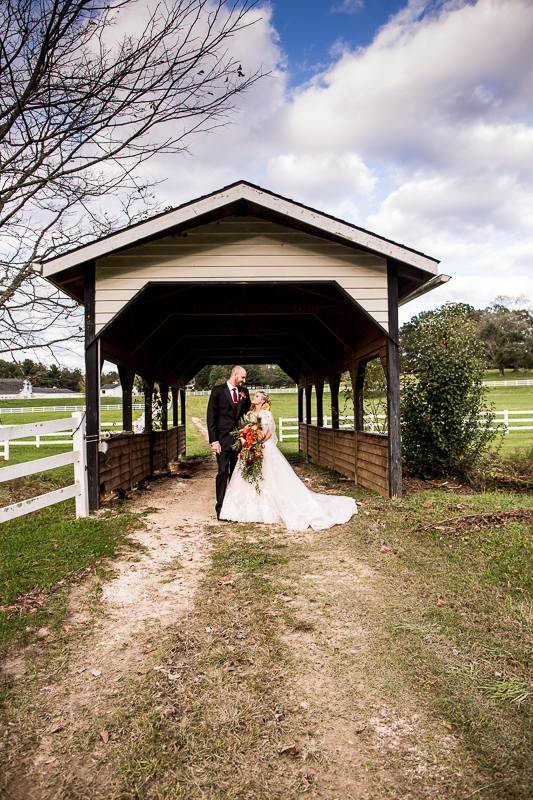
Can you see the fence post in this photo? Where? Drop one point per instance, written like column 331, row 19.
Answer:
column 80, row 465
column 6, row 451
column 281, row 429
column 506, row 420
column 37, row 442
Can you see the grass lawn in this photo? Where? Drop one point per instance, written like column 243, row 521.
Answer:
column 494, row 375
column 441, row 628
column 44, row 548
column 364, row 641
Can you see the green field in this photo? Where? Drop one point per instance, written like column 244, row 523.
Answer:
column 509, row 375
column 519, row 398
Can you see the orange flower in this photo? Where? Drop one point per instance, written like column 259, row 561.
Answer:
column 243, row 395
column 266, row 407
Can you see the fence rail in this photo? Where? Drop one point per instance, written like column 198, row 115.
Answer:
column 76, row 428
column 344, row 422
column 508, row 383
column 40, row 440
column 375, row 423
column 506, row 414
column 55, row 409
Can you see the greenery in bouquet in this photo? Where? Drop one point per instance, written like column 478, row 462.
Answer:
column 250, row 453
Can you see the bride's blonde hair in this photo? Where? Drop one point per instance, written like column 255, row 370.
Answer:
column 266, row 398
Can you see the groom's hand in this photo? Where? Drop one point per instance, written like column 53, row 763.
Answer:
column 216, row 448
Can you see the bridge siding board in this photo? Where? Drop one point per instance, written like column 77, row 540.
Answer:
column 231, row 251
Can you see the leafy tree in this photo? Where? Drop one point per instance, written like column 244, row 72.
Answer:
column 409, row 338
column 9, row 369
column 110, row 377
column 219, row 374
column 72, row 379
column 274, row 376
column 282, row 379
column 201, row 380
column 444, row 396
column 254, row 374
column 90, row 90
column 507, row 334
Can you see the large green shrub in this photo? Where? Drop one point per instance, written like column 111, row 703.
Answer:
column 443, row 396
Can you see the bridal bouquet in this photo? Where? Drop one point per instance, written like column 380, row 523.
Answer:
column 250, row 453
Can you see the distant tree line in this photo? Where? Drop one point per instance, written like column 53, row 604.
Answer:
column 40, row 375
column 505, row 331
column 256, row 375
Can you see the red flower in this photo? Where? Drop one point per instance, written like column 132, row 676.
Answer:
column 249, row 461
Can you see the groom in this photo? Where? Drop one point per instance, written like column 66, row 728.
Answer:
column 226, row 404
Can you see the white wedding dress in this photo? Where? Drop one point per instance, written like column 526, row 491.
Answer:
column 283, row 497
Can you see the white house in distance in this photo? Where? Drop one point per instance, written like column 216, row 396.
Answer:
column 111, row 390
column 19, row 389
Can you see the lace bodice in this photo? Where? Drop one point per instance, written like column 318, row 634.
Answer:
column 267, row 420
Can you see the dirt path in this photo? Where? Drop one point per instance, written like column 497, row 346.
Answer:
column 152, row 591
column 306, row 677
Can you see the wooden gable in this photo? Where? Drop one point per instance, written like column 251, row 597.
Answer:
column 237, row 249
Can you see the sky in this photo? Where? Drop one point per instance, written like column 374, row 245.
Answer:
column 413, row 120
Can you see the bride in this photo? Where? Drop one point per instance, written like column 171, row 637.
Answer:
column 283, row 497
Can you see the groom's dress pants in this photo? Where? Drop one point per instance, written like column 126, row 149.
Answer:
column 226, row 461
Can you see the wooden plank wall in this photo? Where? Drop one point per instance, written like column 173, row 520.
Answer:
column 330, row 448
column 127, row 460
column 181, row 443
column 373, row 462
column 241, row 248
column 337, row 449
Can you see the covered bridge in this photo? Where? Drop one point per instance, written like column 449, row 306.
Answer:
column 243, row 276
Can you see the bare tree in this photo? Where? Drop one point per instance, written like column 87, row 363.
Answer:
column 82, row 106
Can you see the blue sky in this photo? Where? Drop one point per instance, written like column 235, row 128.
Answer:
column 309, row 29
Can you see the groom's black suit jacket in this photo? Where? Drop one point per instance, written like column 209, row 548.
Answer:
column 222, row 416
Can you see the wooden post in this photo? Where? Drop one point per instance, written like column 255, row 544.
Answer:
column 308, row 402
column 127, row 410
column 174, row 391
column 358, row 398
column 301, row 406
column 319, row 388
column 393, row 386
column 80, row 466
column 92, row 388
column 182, row 405
column 163, row 390
column 301, row 403
column 148, row 392
column 334, row 385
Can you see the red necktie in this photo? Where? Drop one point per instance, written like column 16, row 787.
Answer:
column 235, row 399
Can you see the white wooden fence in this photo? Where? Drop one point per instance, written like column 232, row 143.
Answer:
column 344, row 422
column 75, row 425
column 508, row 383
column 55, row 409
column 373, row 423
column 510, row 416
column 41, row 439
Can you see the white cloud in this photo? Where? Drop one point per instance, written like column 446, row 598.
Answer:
column 425, row 136
column 348, row 7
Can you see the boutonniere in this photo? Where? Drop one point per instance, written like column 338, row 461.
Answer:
column 243, row 395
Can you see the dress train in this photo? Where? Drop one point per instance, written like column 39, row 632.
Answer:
column 283, row 497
